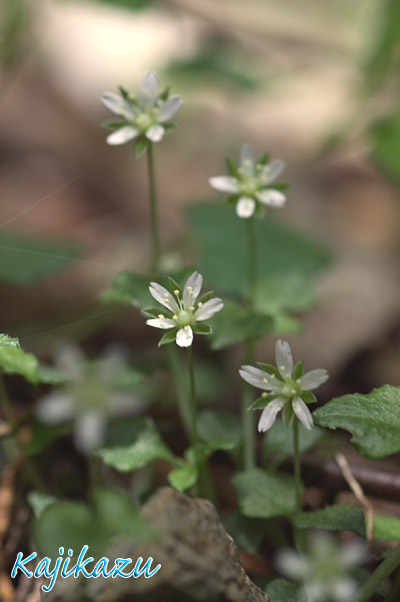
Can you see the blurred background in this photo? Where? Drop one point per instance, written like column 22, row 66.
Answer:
column 315, row 84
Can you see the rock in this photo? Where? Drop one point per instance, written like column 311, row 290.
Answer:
column 199, row 560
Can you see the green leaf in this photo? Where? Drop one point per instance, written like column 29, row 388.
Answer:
column 298, row 370
column 218, row 425
column 75, row 524
column 261, row 402
column 168, row 337
column 247, row 532
column 235, row 324
column 184, row 477
column 113, row 124
column 202, row 328
column 342, row 517
column 42, row 436
column 221, row 239
column 15, row 361
column 270, row 369
column 384, row 56
column 39, row 501
column 135, row 5
column 386, row 528
column 385, row 135
column 263, row 495
column 279, row 439
column 232, row 167
column 50, row 375
column 308, row 396
column 373, row 420
column 282, row 292
column 25, row 260
column 280, row 590
column 126, row 451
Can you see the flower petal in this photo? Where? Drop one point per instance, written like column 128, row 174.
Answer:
column 258, row 378
column 271, row 171
column 149, row 89
column 163, row 296
column 247, row 160
column 192, row 289
column 245, row 207
column 283, row 356
column 291, row 564
column 210, row 307
column 155, row 133
column 118, row 104
column 69, row 358
column 313, row 379
column 169, row 109
column 89, row 431
column 184, row 337
column 273, row 198
column 224, row 184
column 303, row 413
column 269, row 415
column 125, row 403
column 164, row 323
column 55, row 408
column 122, row 135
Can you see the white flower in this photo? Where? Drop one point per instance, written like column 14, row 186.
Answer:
column 324, row 571
column 249, row 184
column 184, row 310
column 286, row 386
column 89, row 396
column 146, row 116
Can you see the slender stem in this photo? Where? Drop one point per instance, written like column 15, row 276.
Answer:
column 181, row 392
column 297, row 473
column 154, row 210
column 249, row 435
column 252, row 254
column 30, row 469
column 193, row 403
column 391, row 562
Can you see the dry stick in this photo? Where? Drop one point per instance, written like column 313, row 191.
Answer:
column 358, row 492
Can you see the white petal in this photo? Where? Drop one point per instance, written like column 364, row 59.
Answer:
column 193, row 284
column 245, row 207
column 224, row 184
column 155, row 133
column 291, row 564
column 163, row 296
column 210, row 307
column 271, row 171
column 184, row 337
column 313, row 379
column 258, row 378
column 169, row 109
column 89, row 431
column 269, row 415
column 164, row 323
column 345, row 590
column 283, row 356
column 69, row 358
column 273, row 198
column 247, row 160
column 353, row 554
column 118, row 104
column 148, row 92
column 55, row 408
column 303, row 413
column 122, row 135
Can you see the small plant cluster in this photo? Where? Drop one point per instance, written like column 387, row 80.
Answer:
column 105, row 403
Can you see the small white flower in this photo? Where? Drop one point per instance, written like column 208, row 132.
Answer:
column 286, row 384
column 250, row 183
column 142, row 116
column 184, row 310
column 89, row 397
column 325, row 571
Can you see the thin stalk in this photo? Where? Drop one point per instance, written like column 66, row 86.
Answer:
column 175, row 367
column 297, row 472
column 253, row 268
column 249, row 438
column 193, row 402
column 155, row 233
column 29, row 468
column 391, row 562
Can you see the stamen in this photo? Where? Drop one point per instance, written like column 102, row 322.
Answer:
column 176, row 292
column 161, row 316
column 191, row 308
column 265, row 380
column 174, row 317
column 263, row 394
column 199, row 305
column 282, row 368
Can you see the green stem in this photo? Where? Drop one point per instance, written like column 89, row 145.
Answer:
column 391, row 562
column 297, row 472
column 175, row 367
column 30, row 469
column 252, row 254
column 249, row 434
column 193, row 402
column 154, row 211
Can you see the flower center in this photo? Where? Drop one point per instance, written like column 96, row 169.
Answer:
column 144, row 121
column 185, row 317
